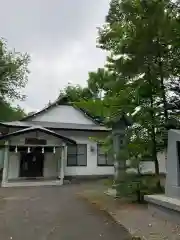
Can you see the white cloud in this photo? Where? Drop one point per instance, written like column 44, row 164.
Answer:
column 60, row 36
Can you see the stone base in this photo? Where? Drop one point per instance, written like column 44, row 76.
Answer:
column 111, row 192
column 32, row 183
column 164, row 207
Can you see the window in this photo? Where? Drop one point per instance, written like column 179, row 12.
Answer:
column 103, row 159
column 77, row 155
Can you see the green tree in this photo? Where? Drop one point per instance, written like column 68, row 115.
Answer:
column 10, row 113
column 86, row 98
column 142, row 38
column 148, row 33
column 76, row 93
column 13, row 77
column 13, row 73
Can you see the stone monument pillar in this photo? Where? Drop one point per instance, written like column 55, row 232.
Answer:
column 119, row 127
column 168, row 206
column 172, row 188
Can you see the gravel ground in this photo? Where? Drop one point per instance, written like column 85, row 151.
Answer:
column 141, row 223
column 136, row 218
column 53, row 213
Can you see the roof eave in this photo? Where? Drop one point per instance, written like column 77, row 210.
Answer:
column 59, row 128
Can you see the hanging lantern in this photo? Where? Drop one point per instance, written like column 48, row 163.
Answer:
column 29, row 150
column 42, row 150
column 16, row 149
column 54, row 150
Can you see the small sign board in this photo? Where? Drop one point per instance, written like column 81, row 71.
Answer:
column 35, row 141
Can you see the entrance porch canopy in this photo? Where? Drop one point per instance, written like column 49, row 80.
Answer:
column 35, row 129
column 43, row 138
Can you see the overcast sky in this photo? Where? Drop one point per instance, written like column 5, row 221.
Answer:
column 60, row 36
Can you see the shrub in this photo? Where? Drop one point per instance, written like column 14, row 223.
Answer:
column 136, row 186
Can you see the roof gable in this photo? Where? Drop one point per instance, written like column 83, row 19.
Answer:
column 63, row 112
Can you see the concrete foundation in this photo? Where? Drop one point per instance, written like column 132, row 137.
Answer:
column 32, row 183
column 164, row 207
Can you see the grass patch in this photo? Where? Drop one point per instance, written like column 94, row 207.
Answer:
column 108, row 182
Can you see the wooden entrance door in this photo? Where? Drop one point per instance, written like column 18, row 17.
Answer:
column 31, row 164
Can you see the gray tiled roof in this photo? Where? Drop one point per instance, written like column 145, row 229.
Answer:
column 56, row 125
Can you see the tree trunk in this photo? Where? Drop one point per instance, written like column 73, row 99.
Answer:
column 153, row 133
column 163, row 91
column 154, row 148
column 153, row 137
column 160, row 64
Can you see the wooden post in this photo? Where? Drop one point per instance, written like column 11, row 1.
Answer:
column 6, row 163
column 63, row 161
